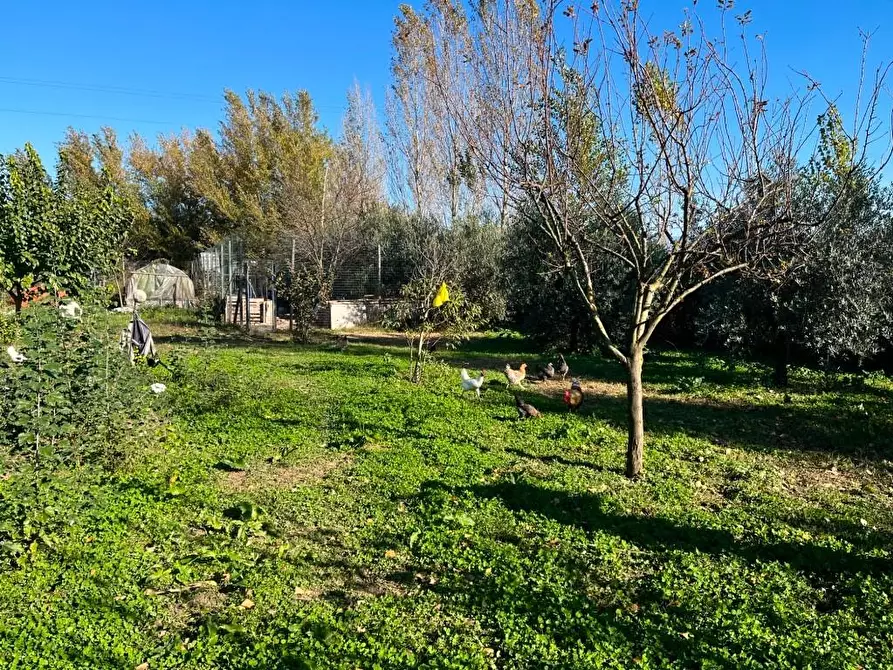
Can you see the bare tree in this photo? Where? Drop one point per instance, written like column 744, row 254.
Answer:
column 361, row 152
column 432, row 171
column 327, row 221
column 661, row 150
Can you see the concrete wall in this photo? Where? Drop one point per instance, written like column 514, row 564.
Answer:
column 352, row 313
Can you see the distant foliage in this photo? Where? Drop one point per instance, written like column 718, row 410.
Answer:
column 546, row 304
column 833, row 308
column 469, row 254
column 480, row 246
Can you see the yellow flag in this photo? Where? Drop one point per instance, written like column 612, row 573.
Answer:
column 443, row 295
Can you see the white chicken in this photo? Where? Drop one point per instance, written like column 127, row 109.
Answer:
column 471, row 384
column 71, row 310
column 15, row 355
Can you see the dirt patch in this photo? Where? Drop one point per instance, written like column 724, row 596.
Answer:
column 307, row 593
column 592, row 388
column 208, row 600
column 804, row 480
column 265, row 476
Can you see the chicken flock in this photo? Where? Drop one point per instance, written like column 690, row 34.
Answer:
column 573, row 396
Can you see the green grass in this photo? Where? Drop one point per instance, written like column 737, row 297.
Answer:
column 308, row 508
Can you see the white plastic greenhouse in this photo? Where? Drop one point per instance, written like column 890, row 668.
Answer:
column 163, row 284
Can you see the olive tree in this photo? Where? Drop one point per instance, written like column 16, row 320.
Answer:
column 832, row 304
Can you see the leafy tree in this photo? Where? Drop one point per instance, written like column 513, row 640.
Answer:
column 545, row 304
column 328, row 228
column 285, row 186
column 833, row 305
column 424, row 324
column 468, row 254
column 181, row 222
column 302, row 291
column 55, row 232
column 268, row 167
column 93, row 162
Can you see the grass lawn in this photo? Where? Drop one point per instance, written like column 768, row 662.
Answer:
column 303, row 507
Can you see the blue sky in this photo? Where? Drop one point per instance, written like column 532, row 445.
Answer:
column 60, row 60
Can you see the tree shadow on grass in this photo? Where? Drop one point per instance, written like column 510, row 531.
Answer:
column 587, row 511
column 561, row 460
column 855, row 432
column 234, row 339
column 578, row 605
column 863, row 431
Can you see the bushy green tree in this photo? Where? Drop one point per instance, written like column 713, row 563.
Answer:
column 54, row 231
column 71, row 401
column 545, row 303
column 179, row 221
column 469, row 254
column 833, row 306
column 304, row 291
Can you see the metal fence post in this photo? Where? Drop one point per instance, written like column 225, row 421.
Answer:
column 273, row 296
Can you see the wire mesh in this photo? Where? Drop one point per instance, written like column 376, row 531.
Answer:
column 243, row 282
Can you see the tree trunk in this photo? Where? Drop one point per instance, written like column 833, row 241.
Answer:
column 18, row 297
column 635, row 448
column 782, row 359
column 416, row 352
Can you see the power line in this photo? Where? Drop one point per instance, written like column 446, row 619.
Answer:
column 123, row 90
column 85, row 116
column 118, row 90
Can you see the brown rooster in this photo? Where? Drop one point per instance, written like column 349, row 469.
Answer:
column 573, row 398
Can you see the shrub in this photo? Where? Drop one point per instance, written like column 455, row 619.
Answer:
column 73, row 400
column 9, row 328
column 425, row 325
column 304, row 290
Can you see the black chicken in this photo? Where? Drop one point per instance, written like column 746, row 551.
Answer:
column 547, row 372
column 525, row 411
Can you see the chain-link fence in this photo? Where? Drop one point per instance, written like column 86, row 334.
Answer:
column 242, row 285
